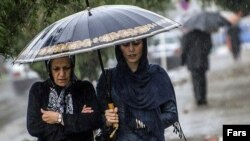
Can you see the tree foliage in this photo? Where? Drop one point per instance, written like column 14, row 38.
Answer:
column 13, row 15
column 235, row 5
column 232, row 5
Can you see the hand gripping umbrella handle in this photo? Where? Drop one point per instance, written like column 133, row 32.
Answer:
column 110, row 104
column 116, row 125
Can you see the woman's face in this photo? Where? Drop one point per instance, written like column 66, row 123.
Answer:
column 61, row 70
column 132, row 51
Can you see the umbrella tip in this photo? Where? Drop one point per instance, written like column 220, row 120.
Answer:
column 88, row 7
column 87, row 3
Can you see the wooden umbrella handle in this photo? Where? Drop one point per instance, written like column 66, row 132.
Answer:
column 111, row 106
column 116, row 125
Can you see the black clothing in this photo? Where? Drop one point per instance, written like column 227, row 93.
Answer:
column 199, row 86
column 77, row 126
column 233, row 33
column 196, row 48
column 146, row 94
column 164, row 115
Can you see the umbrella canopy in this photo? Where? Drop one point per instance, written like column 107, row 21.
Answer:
column 93, row 29
column 206, row 21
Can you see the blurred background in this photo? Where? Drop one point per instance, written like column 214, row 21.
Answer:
column 228, row 79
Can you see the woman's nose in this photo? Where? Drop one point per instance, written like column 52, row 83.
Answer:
column 131, row 47
column 61, row 72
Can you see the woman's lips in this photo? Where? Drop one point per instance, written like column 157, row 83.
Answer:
column 132, row 55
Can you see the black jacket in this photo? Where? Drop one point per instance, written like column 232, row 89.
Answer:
column 77, row 126
column 196, row 48
column 233, row 33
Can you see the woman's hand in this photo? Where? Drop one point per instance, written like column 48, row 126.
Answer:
column 50, row 117
column 111, row 116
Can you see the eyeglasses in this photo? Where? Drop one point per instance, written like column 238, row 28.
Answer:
column 134, row 43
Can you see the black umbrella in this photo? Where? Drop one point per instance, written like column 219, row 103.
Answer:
column 93, row 29
column 206, row 21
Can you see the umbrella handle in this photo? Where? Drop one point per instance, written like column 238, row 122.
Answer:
column 113, row 133
column 116, row 125
column 111, row 106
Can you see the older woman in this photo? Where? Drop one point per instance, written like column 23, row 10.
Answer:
column 62, row 108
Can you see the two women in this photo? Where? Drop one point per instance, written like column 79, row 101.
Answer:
column 142, row 93
column 65, row 109
column 62, row 108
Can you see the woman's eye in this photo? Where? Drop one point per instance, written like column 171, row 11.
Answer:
column 56, row 69
column 66, row 68
column 126, row 44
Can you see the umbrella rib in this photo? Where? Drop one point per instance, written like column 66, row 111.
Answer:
column 112, row 18
column 64, row 25
column 40, row 43
column 172, row 22
column 149, row 12
column 123, row 15
column 82, row 14
column 88, row 24
column 46, row 38
column 37, row 44
column 30, row 45
column 119, row 21
column 69, row 22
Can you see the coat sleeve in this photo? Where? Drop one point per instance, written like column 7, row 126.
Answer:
column 168, row 113
column 35, row 126
column 84, row 122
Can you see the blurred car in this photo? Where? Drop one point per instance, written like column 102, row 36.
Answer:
column 22, row 77
column 165, row 49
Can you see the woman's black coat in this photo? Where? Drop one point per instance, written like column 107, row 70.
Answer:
column 77, row 126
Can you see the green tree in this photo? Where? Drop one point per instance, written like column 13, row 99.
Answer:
column 13, row 15
column 235, row 5
column 232, row 5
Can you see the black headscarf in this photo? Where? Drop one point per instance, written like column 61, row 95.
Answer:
column 143, row 91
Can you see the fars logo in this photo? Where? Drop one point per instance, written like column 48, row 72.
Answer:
column 231, row 132
column 236, row 132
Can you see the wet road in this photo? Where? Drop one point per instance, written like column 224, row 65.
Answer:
column 12, row 113
column 228, row 102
